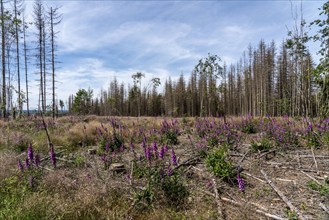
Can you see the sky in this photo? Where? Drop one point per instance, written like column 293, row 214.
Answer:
column 100, row 40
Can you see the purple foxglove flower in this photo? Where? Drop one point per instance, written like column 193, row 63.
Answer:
column 100, row 133
column 20, row 165
column 173, row 157
column 240, row 182
column 155, row 149
column 147, row 152
column 27, row 163
column 37, row 160
column 107, row 147
column 169, row 171
column 30, row 153
column 165, row 148
column 52, row 155
column 144, row 143
column 104, row 158
column 161, row 153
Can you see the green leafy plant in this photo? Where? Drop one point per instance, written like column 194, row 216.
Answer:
column 219, row 164
column 292, row 215
column 261, row 145
column 79, row 161
column 249, row 127
column 323, row 189
column 174, row 190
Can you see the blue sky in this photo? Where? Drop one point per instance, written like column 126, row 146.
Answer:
column 100, row 40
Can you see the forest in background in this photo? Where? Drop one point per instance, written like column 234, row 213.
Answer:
column 268, row 80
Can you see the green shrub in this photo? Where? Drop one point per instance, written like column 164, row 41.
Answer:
column 175, row 191
column 219, row 164
column 323, row 189
column 249, row 127
column 261, row 145
column 170, row 137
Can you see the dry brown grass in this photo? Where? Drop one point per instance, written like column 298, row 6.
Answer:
column 8, row 164
column 73, row 192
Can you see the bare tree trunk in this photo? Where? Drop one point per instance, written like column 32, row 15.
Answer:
column 20, row 103
column 44, row 67
column 25, row 63
column 52, row 59
column 3, row 46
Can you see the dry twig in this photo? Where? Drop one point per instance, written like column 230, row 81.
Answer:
column 256, row 178
column 311, row 177
column 259, row 211
column 324, row 208
column 315, row 162
column 220, row 206
column 282, row 196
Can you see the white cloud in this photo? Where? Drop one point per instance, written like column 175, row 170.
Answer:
column 99, row 40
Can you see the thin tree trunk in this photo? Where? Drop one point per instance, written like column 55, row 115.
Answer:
column 3, row 46
column 20, row 103
column 25, row 63
column 52, row 59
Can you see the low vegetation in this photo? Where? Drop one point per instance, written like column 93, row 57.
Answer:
column 160, row 168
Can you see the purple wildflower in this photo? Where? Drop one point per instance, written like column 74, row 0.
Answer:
column 104, row 158
column 30, row 152
column 155, row 149
column 147, row 152
column 37, row 160
column 161, row 153
column 240, row 182
column 144, row 142
column 100, row 133
column 173, row 157
column 169, row 171
column 52, row 155
column 107, row 147
column 27, row 164
column 20, row 165
column 309, row 128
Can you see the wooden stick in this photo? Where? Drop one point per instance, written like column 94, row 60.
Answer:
column 220, row 207
column 256, row 178
column 190, row 161
column 324, row 208
column 131, row 173
column 262, row 212
column 65, row 160
column 311, row 177
column 302, row 169
column 48, row 157
column 244, row 156
column 315, row 162
column 282, row 196
column 46, row 168
column 46, row 129
column 268, row 152
column 316, row 156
